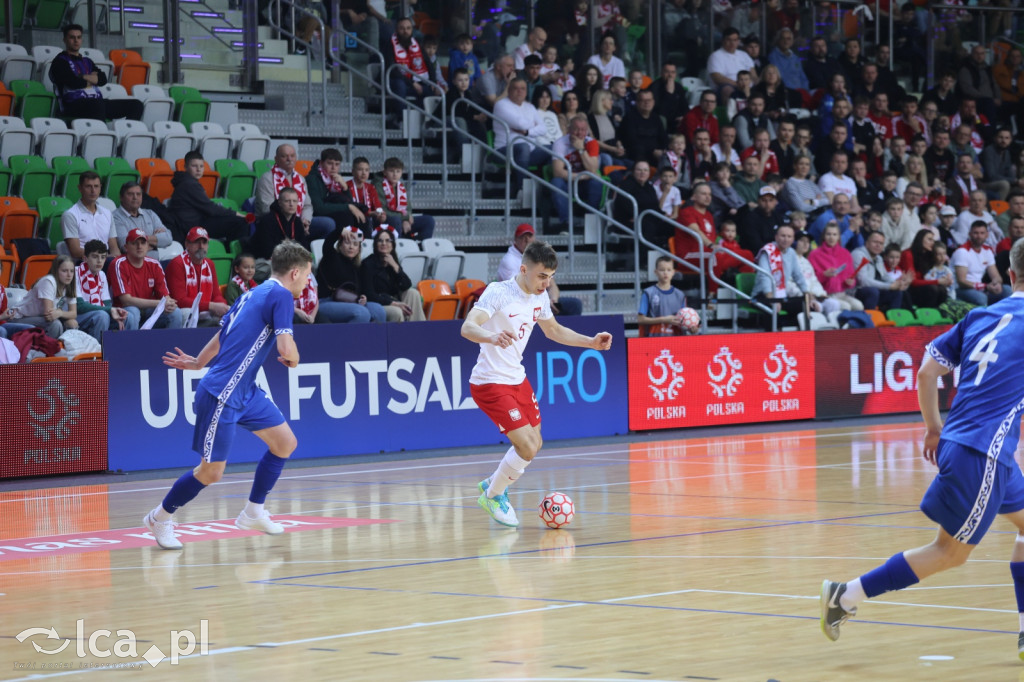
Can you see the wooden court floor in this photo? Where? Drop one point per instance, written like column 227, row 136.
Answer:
column 696, row 558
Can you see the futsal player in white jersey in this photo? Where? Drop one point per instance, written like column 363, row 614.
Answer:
column 975, row 450
column 501, row 322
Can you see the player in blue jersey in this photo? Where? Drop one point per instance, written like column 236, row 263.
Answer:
column 227, row 397
column 978, row 475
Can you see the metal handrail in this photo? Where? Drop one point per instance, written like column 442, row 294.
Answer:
column 443, row 120
column 539, row 179
column 274, row 15
column 611, row 220
column 488, row 150
column 380, row 87
column 707, row 257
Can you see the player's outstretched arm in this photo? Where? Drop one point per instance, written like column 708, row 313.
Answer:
column 567, row 337
column 928, row 399
column 179, row 359
column 472, row 330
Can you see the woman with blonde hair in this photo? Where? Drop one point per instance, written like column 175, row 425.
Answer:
column 52, row 304
column 914, row 171
column 602, row 129
column 776, row 96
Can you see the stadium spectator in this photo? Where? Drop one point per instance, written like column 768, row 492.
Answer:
column 462, row 57
column 1016, row 210
column 364, row 193
column 788, row 62
column 702, row 117
column 130, row 216
column 669, row 96
column 977, row 211
column 138, row 282
column 492, row 86
column 513, row 258
column 778, row 258
column 899, row 224
column 535, row 40
column 328, row 192
column 975, row 81
column 609, row 65
column 94, row 293
column 726, row 62
column 541, row 100
column 748, row 182
column 588, row 85
column 963, row 182
column 406, row 52
column 52, row 303
column 397, row 207
column 753, row 117
column 678, row 159
column 1016, row 231
column 7, row 314
column 819, row 67
column 833, row 267
column 192, row 206
column 725, row 200
column 192, row 275
column 851, row 63
column 758, row 226
column 971, row 263
column 849, row 225
column 761, row 150
column 281, row 175
column 1009, row 76
column 243, row 270
column 383, row 280
column 87, row 220
column 999, row 172
column 517, row 117
column 76, row 82
column 776, row 96
column 340, row 288
column 280, row 223
column 837, row 182
column 909, row 123
column 944, row 95
column 583, row 154
column 801, row 193
column 531, row 74
column 782, row 146
column 920, row 259
column 725, row 149
column 602, row 128
column 837, row 142
column 642, row 132
column 875, row 289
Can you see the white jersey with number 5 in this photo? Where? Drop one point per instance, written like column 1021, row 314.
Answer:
column 510, row 309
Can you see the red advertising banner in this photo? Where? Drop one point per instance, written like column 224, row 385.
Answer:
column 678, row 381
column 873, row 371
column 55, row 418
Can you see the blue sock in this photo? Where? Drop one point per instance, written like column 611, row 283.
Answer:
column 894, row 574
column 182, row 492
column 267, row 473
column 1017, row 571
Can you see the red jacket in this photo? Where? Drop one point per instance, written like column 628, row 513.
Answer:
column 185, row 288
column 696, row 119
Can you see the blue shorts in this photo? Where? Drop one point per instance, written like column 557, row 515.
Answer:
column 216, row 422
column 969, row 491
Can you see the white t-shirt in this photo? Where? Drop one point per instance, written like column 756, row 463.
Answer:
column 675, row 199
column 78, row 223
column 613, row 69
column 734, row 157
column 509, row 265
column 510, row 309
column 976, row 262
column 519, row 117
column 729, row 65
column 841, row 185
column 962, row 228
column 44, row 290
column 521, row 53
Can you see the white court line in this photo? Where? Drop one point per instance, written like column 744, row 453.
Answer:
column 873, row 601
column 489, row 460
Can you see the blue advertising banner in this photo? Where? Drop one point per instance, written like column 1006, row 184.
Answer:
column 361, row 389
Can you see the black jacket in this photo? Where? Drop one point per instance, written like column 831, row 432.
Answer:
column 382, row 284
column 190, row 203
column 335, row 271
column 642, row 136
column 273, row 228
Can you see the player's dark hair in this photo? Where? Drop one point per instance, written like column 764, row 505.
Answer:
column 289, row 255
column 96, row 246
column 543, row 253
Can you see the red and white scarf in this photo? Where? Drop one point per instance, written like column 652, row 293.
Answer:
column 329, row 182
column 196, row 279
column 399, row 203
column 308, row 299
column 91, row 286
column 966, row 189
column 771, row 249
column 412, row 58
column 243, row 284
column 675, row 161
column 365, row 195
column 296, row 182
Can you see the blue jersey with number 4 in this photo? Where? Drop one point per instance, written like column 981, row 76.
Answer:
column 248, row 333
column 988, row 346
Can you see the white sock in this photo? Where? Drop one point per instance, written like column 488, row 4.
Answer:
column 854, row 595
column 1021, row 617
column 510, row 468
column 161, row 514
column 253, row 510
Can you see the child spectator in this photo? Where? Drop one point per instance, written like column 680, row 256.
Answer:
column 617, row 86
column 942, row 269
column 660, row 303
column 434, row 73
column 669, row 198
column 462, row 57
column 636, row 82
column 742, row 91
column 243, row 269
column 396, row 203
column 726, row 266
column 364, row 193
column 676, row 158
column 52, row 303
column 94, row 293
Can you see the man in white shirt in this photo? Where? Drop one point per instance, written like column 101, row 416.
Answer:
column 837, row 182
column 725, row 63
column 971, row 262
column 533, row 45
column 513, row 258
column 502, row 322
column 523, row 120
column 87, row 220
column 976, row 212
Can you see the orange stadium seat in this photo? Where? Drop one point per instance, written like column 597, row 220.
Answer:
column 155, row 177
column 878, row 317
column 999, row 207
column 17, row 220
column 303, row 167
column 35, row 268
column 439, row 303
column 208, row 181
column 465, row 289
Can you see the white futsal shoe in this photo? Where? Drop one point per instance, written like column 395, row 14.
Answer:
column 163, row 532
column 262, row 523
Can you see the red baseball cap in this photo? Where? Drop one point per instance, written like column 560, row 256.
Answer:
column 197, row 233
column 135, row 235
column 525, row 228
